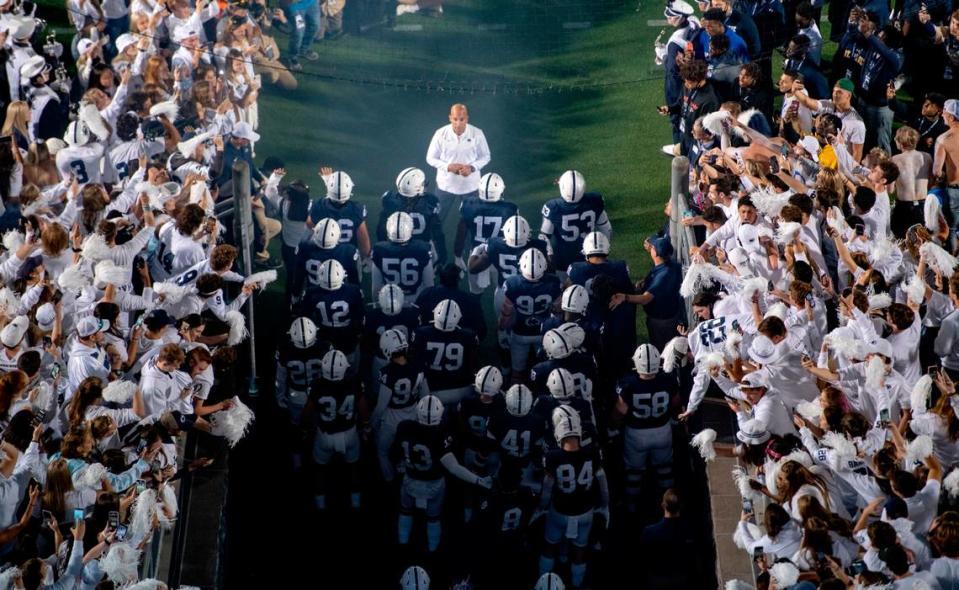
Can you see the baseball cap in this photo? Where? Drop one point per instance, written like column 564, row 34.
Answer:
column 125, row 40
column 12, row 334
column 157, row 318
column 90, row 325
column 749, row 238
column 752, row 432
column 846, row 84
column 46, row 316
column 811, row 146
column 243, row 130
column 883, row 347
column 678, row 8
column 755, row 379
column 661, row 245
column 951, row 107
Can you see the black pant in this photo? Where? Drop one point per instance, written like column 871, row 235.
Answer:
column 904, row 215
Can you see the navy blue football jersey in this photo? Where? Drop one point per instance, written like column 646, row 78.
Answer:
column 404, row 382
column 349, row 215
column 532, row 302
column 302, row 364
column 571, row 222
column 338, row 314
column 648, row 400
column 445, row 356
column 422, row 448
column 309, row 257
column 516, row 437
column 574, row 475
column 505, row 259
column 475, row 416
column 582, row 273
column 402, row 264
column 484, row 219
column 378, row 322
column 424, row 210
column 580, row 365
column 334, row 404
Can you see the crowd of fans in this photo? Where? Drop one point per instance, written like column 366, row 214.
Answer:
column 823, row 279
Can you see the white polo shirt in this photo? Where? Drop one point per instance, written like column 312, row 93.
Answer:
column 448, row 148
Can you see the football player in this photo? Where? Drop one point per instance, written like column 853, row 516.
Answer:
column 388, row 314
column 401, row 384
column 81, row 158
column 335, row 400
column 574, row 308
column 645, row 398
column 298, row 365
column 528, row 301
column 567, row 219
column 324, row 244
column 573, row 473
column 336, row 307
column 561, row 387
column 401, row 260
column 563, row 348
column 415, row 578
column 549, row 581
column 518, row 435
column 426, row 448
column 447, row 353
column 481, row 218
column 474, row 414
column 423, row 208
column 337, row 205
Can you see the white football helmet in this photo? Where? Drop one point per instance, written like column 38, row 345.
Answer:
column 393, row 341
column 399, row 227
column 566, row 423
column 415, row 578
column 339, row 187
column 646, row 359
column 77, row 134
column 429, row 410
column 575, row 299
column 572, row 185
column 596, row 243
column 561, row 384
column 446, row 315
column 491, row 187
column 303, row 333
column 556, row 345
column 326, row 233
column 519, row 400
column 516, row 231
column 334, row 365
column 574, row 334
column 411, row 182
column 391, row 299
column 532, row 264
column 489, row 381
column 331, row 275
column 549, row 581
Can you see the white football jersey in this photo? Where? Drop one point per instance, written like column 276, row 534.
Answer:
column 82, row 161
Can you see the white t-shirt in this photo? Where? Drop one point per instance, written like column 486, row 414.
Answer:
column 922, row 506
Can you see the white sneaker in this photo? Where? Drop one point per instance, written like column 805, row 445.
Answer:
column 402, row 9
column 671, row 150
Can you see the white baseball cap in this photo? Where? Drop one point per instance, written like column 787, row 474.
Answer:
column 752, row 432
column 125, row 40
column 12, row 334
column 34, row 66
column 951, row 106
column 755, row 379
column 244, row 130
column 46, row 316
column 90, row 325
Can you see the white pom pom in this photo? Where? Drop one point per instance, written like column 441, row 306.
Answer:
column 35, row 206
column 875, row 373
column 731, row 346
column 74, row 278
column 879, row 301
column 169, row 500
column 915, row 289
column 90, row 115
column 919, row 398
column 8, row 577
column 9, row 302
column 95, row 248
column 238, row 331
column 703, row 442
column 785, row 573
column 42, row 395
column 261, row 278
column 119, row 392
column 713, row 122
column 234, row 423
column 881, row 248
column 753, row 286
column 918, row 449
column 809, row 410
column 938, row 259
column 836, row 221
column 141, row 518
column 843, row 449
column 172, row 294
column 90, row 476
column 768, row 203
column 787, row 232
column 920, row 584
column 930, row 213
column 148, row 584
column 754, row 531
column 799, row 456
column 842, row 341
column 951, row 483
column 674, row 352
column 121, row 563
column 13, row 239
column 700, row 276
column 714, row 360
column 741, row 478
column 108, row 273
column 168, row 108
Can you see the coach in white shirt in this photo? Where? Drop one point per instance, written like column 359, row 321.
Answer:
column 458, row 151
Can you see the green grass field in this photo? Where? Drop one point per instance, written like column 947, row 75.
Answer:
column 579, row 98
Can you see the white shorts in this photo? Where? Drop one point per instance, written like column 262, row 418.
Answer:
column 345, row 444
column 648, row 445
column 480, row 281
column 388, row 425
column 574, row 528
column 426, row 495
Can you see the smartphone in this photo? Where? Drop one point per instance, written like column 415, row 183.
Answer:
column 884, row 416
column 758, row 552
column 78, row 515
column 141, row 487
column 774, row 165
column 711, row 160
column 932, row 370
column 809, row 298
column 747, row 506
column 38, row 418
column 121, row 532
column 860, row 229
column 47, row 516
column 113, row 519
column 805, row 358
column 820, row 557
column 857, row 567
column 55, row 370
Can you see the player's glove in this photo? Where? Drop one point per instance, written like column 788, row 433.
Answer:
column 484, row 482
